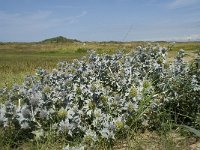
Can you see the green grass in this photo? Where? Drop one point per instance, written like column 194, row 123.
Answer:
column 14, row 67
column 188, row 46
column 169, row 139
column 20, row 59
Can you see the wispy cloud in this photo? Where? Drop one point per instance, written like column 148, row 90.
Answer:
column 30, row 24
column 190, row 37
column 194, row 37
column 39, row 17
column 182, row 3
column 74, row 19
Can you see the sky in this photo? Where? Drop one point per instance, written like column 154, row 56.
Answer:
column 100, row 20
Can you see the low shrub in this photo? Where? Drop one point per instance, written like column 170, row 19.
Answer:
column 102, row 97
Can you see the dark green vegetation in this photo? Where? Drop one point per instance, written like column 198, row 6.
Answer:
column 59, row 39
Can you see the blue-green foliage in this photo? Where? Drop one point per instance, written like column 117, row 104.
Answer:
column 101, row 95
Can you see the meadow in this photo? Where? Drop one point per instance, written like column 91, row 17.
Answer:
column 136, row 97
column 20, row 59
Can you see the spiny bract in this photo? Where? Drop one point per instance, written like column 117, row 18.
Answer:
column 98, row 97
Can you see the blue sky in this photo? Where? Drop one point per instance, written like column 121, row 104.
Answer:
column 100, row 20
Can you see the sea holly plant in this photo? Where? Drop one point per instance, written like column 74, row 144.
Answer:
column 99, row 96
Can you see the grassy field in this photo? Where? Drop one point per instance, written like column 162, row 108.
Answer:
column 20, row 59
